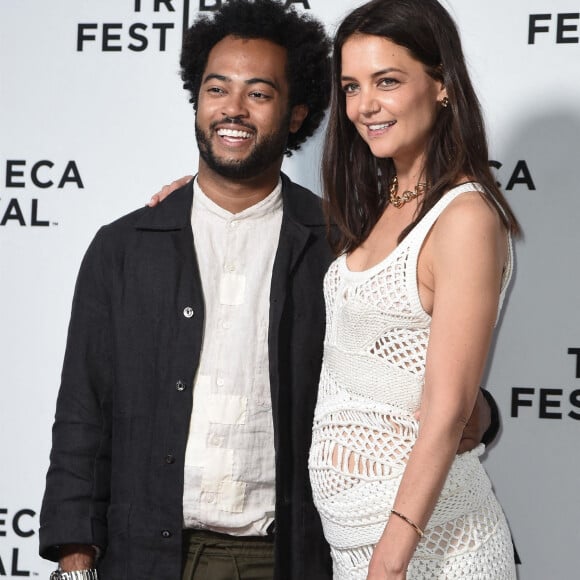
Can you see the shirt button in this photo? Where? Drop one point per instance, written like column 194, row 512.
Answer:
column 226, row 325
column 188, row 312
column 210, row 497
column 233, row 224
column 220, row 382
column 165, row 534
column 169, row 459
column 230, row 268
column 180, row 386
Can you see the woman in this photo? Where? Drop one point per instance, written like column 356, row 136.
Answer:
column 424, row 237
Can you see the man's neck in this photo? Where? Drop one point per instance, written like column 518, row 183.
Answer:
column 237, row 195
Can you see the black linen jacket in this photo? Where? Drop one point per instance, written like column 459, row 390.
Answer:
column 122, row 419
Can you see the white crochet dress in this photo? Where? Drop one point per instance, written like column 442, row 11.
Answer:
column 370, row 386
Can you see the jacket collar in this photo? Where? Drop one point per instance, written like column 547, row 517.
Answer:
column 174, row 213
column 299, row 204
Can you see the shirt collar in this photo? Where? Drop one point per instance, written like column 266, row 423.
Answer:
column 271, row 203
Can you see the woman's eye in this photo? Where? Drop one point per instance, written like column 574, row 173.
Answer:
column 349, row 88
column 388, row 83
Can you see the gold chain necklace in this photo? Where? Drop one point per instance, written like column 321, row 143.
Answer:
column 399, row 200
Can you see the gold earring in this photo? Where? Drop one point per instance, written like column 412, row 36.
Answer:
column 445, row 102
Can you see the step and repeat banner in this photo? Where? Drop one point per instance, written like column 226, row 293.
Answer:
column 93, row 120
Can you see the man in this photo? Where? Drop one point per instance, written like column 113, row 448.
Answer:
column 184, row 416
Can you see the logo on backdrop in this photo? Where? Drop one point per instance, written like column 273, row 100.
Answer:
column 549, row 403
column 27, row 184
column 207, row 5
column 166, row 20
column 16, row 525
column 519, row 174
column 554, row 28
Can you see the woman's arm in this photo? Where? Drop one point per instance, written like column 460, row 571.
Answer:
column 169, row 189
column 465, row 255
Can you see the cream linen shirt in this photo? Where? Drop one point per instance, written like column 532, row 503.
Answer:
column 229, row 462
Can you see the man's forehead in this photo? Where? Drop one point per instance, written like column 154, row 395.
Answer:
column 248, row 60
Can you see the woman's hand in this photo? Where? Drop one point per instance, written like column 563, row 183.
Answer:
column 168, row 189
column 381, row 566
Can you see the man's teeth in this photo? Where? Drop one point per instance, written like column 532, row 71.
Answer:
column 234, row 133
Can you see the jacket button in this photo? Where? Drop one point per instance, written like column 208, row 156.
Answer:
column 169, row 459
column 180, row 386
column 188, row 312
column 165, row 534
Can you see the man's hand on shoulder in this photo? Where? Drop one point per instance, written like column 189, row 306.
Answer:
column 168, row 189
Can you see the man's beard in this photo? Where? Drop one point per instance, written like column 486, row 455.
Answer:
column 266, row 152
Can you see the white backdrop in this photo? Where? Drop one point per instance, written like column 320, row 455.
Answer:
column 93, row 120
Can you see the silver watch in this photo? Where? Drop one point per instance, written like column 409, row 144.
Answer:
column 58, row 574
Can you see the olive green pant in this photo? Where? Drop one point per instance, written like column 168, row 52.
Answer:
column 212, row 556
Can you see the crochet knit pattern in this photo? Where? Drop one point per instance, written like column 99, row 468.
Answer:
column 374, row 363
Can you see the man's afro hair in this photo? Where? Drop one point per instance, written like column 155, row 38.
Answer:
column 304, row 38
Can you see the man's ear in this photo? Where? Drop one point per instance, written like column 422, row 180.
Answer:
column 297, row 116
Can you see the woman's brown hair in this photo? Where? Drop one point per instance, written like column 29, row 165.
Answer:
column 356, row 183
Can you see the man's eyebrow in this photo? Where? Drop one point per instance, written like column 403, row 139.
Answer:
column 259, row 80
column 252, row 81
column 215, row 76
